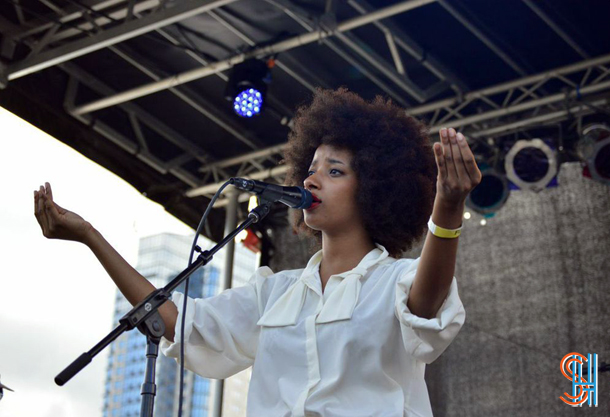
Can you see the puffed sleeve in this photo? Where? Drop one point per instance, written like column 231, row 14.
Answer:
column 220, row 332
column 423, row 338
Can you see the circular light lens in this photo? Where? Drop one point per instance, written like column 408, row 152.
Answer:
column 248, row 103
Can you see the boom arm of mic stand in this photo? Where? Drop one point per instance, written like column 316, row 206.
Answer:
column 147, row 307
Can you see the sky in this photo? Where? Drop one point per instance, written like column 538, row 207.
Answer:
column 57, row 300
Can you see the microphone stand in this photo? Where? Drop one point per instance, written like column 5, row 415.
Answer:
column 146, row 318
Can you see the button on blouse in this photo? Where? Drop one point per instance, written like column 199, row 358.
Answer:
column 354, row 350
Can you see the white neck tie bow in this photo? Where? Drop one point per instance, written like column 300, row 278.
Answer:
column 339, row 305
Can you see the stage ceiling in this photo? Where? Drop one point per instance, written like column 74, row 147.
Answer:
column 138, row 86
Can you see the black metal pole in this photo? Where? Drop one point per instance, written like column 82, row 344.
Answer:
column 153, row 328
column 149, row 389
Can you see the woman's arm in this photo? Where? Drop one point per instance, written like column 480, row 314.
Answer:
column 130, row 282
column 458, row 175
column 59, row 223
column 436, row 266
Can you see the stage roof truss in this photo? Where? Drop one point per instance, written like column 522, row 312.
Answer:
column 353, row 35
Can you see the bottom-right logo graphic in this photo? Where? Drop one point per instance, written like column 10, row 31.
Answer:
column 582, row 389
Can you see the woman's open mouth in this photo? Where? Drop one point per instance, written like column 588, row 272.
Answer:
column 314, row 205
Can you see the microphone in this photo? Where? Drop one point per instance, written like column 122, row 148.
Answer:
column 294, row 197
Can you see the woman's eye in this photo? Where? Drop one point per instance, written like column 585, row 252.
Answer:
column 334, row 169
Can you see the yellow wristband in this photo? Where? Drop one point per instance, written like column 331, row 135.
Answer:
column 442, row 232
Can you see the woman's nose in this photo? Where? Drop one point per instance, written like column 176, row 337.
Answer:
column 310, row 182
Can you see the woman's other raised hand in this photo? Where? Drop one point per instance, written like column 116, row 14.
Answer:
column 458, row 172
column 57, row 222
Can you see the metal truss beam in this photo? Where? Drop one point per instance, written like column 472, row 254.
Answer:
column 142, row 116
column 501, row 97
column 503, row 122
column 282, row 46
column 309, row 26
column 189, row 97
column 428, row 60
column 139, row 151
column 514, row 85
column 186, row 95
column 279, row 62
column 532, row 104
column 69, row 14
column 304, row 18
column 135, row 111
column 263, row 153
column 140, row 7
column 482, row 37
column 358, row 46
column 545, row 119
column 551, row 117
column 112, row 36
column 556, row 28
column 98, row 19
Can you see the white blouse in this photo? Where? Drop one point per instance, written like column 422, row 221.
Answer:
column 353, row 351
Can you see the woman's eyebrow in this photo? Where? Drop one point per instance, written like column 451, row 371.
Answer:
column 331, row 160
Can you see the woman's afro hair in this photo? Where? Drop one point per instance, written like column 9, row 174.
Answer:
column 392, row 157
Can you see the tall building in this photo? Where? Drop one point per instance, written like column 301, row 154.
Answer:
column 160, row 258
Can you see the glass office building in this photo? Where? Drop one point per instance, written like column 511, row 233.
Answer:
column 160, row 258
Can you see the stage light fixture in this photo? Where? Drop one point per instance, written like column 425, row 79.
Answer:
column 594, row 151
column 531, row 165
column 491, row 193
column 247, row 86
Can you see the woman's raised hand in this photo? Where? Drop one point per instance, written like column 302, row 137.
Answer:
column 458, row 173
column 55, row 221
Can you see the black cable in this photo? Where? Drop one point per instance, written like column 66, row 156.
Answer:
column 186, row 289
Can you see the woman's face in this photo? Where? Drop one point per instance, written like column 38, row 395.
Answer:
column 332, row 180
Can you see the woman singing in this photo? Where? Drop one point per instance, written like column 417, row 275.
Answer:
column 350, row 334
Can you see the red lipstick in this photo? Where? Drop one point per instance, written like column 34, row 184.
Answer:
column 316, row 202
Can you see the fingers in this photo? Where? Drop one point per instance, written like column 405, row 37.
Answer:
column 35, row 203
column 456, row 153
column 448, row 154
column 44, row 208
column 458, row 157
column 55, row 208
column 39, row 210
column 41, row 196
column 468, row 161
column 48, row 190
column 440, row 161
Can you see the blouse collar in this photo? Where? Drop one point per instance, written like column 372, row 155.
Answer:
column 341, row 302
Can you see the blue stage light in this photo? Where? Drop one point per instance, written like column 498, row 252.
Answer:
column 248, row 103
column 247, row 86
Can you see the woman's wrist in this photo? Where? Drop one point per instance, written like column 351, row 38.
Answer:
column 447, row 216
column 89, row 234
